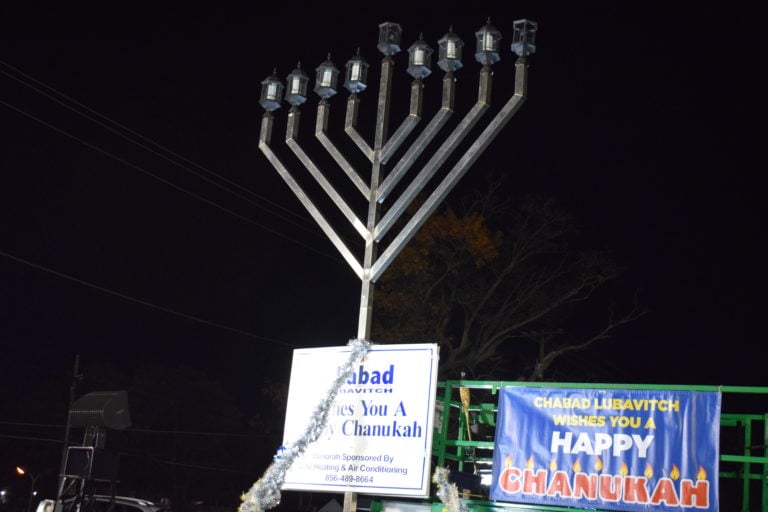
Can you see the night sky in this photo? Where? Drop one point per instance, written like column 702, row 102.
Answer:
column 140, row 221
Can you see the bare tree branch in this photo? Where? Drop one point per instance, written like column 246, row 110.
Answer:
column 498, row 292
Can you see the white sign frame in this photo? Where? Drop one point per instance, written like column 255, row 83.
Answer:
column 378, row 437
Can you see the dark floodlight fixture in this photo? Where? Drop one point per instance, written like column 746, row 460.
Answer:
column 419, row 59
column 101, row 409
column 524, row 37
column 389, row 38
column 271, row 92
column 357, row 73
column 296, row 91
column 326, row 78
column 488, row 40
column 449, row 52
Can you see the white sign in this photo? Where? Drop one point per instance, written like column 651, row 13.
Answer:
column 378, row 438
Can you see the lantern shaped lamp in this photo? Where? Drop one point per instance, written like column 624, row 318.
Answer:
column 296, row 91
column 389, row 38
column 327, row 76
column 271, row 92
column 488, row 41
column 357, row 73
column 449, row 52
column 419, row 59
column 524, row 37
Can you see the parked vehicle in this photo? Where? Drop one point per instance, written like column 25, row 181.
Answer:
column 102, row 503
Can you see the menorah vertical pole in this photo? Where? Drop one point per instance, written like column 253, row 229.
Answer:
column 369, row 258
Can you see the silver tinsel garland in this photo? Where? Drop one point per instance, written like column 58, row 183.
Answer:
column 265, row 492
column 447, row 491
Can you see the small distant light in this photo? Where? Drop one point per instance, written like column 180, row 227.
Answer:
column 297, row 87
column 449, row 51
column 326, row 78
column 488, row 40
column 389, row 38
column 419, row 59
column 271, row 92
column 357, row 73
column 524, row 37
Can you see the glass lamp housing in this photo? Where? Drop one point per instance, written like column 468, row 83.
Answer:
column 296, row 90
column 389, row 38
column 326, row 79
column 488, row 42
column 449, row 51
column 419, row 59
column 357, row 73
column 524, row 37
column 271, row 92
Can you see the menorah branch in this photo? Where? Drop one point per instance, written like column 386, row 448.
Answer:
column 292, row 131
column 440, row 156
column 458, row 171
column 321, row 127
column 266, row 130
column 408, row 124
column 422, row 141
column 350, row 127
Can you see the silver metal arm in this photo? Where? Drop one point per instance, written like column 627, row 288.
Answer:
column 440, row 156
column 408, row 124
column 290, row 139
column 264, row 139
column 350, row 127
column 423, row 140
column 458, row 171
column 321, row 127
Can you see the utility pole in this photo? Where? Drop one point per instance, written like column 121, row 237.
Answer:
column 76, row 378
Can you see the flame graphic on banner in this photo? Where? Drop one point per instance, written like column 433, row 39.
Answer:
column 648, row 471
column 623, row 470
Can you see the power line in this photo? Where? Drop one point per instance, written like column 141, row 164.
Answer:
column 143, row 302
column 17, row 365
column 142, row 430
column 144, row 171
column 27, row 438
column 195, row 466
column 192, row 433
column 163, row 180
column 23, row 424
column 150, row 149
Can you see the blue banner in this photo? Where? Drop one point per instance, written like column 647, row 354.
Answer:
column 628, row 450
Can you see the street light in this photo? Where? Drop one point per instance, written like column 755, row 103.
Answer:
column 376, row 183
column 21, row 472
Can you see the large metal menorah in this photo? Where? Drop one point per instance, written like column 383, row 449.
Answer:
column 381, row 183
column 381, row 180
